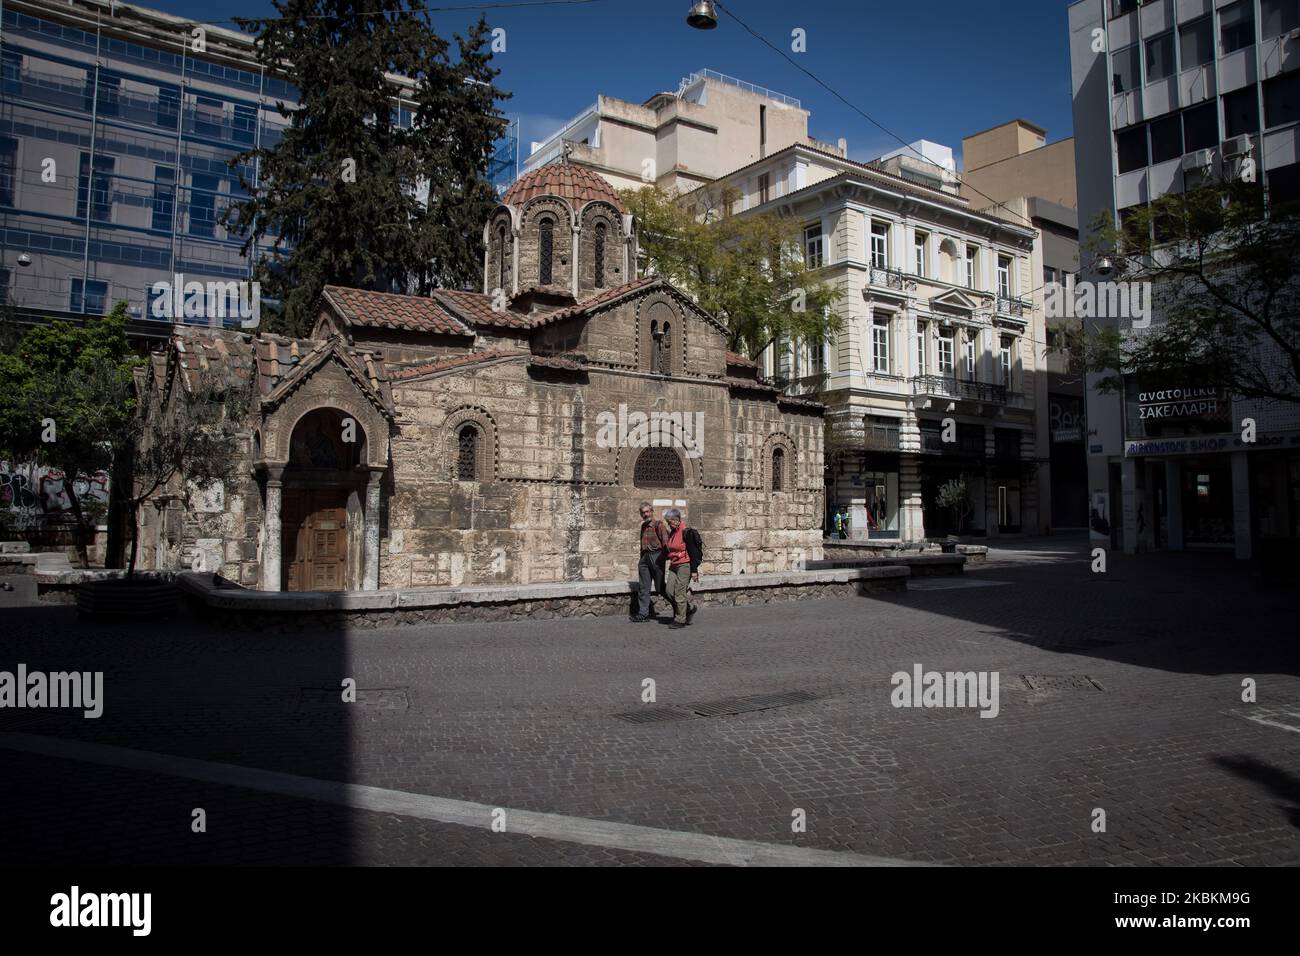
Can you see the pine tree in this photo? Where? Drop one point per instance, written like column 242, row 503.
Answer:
column 340, row 194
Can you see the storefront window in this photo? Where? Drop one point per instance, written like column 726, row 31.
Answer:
column 1207, row 502
column 881, row 492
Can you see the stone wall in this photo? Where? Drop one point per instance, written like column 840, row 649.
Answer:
column 554, row 503
column 261, row 612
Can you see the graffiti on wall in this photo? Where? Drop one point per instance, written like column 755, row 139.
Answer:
column 31, row 491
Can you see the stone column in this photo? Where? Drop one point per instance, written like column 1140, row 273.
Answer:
column 1128, row 505
column 271, row 530
column 1241, row 524
column 370, row 541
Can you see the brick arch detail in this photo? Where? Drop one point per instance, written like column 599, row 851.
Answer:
column 677, row 319
column 489, row 450
column 278, row 425
column 783, row 441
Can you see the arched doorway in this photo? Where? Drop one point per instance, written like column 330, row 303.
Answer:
column 324, row 491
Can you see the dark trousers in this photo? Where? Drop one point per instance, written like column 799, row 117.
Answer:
column 649, row 571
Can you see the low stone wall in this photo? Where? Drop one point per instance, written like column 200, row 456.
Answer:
column 921, row 564
column 892, row 552
column 234, row 607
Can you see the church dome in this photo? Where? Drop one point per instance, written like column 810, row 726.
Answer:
column 576, row 184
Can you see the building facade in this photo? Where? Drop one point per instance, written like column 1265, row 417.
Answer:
column 117, row 124
column 711, row 125
column 1168, row 94
column 497, row 437
column 935, row 375
column 1013, row 165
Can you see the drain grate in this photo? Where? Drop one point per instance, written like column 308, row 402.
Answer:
column 316, row 699
column 655, row 715
column 1043, row 683
column 748, row 705
column 726, row 707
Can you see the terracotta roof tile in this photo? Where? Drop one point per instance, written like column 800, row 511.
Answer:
column 577, row 184
column 386, row 310
column 735, row 359
column 597, row 301
column 477, row 308
column 455, row 361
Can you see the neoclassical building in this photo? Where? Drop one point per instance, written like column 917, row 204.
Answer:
column 492, row 437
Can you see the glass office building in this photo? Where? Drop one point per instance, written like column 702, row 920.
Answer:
column 116, row 128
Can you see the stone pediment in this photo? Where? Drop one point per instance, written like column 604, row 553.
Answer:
column 955, row 301
column 362, row 376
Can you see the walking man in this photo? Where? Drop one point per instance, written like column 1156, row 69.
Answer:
column 685, row 552
column 650, row 569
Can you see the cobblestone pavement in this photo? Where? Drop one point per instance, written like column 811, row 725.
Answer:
column 1119, row 691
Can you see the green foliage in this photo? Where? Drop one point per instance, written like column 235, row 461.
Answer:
column 373, row 232
column 747, row 271
column 955, row 496
column 1225, row 275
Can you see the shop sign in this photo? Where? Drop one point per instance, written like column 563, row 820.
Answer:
column 1189, row 445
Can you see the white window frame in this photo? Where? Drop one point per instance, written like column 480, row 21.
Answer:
column 972, row 266
column 946, row 367
column 921, row 329
column 880, row 346
column 820, row 254
column 1006, row 364
column 881, row 261
column 968, row 354
column 1005, row 290
column 920, row 252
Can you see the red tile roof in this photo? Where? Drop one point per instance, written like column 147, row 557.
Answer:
column 597, row 301
column 477, row 308
column 385, row 310
column 455, row 361
column 578, row 184
column 735, row 359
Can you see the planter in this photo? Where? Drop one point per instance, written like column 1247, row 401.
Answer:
column 118, row 599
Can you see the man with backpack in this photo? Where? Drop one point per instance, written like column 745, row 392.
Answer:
column 650, row 568
column 685, row 552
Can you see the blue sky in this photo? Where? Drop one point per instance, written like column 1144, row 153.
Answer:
column 924, row 70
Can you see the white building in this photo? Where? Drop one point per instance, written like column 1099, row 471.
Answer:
column 943, row 322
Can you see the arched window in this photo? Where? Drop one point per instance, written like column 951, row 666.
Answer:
column 501, row 257
column 778, row 469
column 467, row 454
column 658, row 467
column 546, row 239
column 666, row 351
column 600, row 256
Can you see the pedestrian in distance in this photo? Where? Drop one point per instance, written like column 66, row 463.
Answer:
column 685, row 552
column 650, row 566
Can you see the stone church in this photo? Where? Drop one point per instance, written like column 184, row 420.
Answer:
column 497, row 437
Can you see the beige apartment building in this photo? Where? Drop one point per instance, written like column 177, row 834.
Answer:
column 709, row 126
column 1012, row 171
column 935, row 374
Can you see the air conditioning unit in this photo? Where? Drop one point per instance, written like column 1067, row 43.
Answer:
column 1199, row 161
column 1237, row 146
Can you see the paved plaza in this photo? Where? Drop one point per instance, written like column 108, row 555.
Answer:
column 531, row 743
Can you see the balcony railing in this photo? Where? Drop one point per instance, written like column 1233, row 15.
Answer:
column 1017, row 308
column 892, row 279
column 949, row 387
column 880, row 438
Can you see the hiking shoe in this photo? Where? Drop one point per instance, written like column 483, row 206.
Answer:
column 675, row 626
column 638, row 618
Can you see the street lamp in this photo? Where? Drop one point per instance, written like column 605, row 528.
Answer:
column 24, row 259
column 702, row 15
